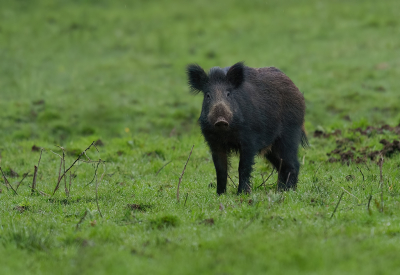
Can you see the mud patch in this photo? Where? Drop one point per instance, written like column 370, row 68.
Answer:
column 138, row 207
column 346, row 153
column 369, row 131
column 319, row 134
column 379, row 130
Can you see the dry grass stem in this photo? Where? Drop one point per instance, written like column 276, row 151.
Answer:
column 361, row 172
column 33, row 189
column 287, row 179
column 369, row 202
column 315, row 173
column 81, row 220
column 70, row 183
column 19, row 183
column 279, row 172
column 162, row 167
column 40, row 157
column 350, row 194
column 95, row 174
column 7, row 183
column 232, row 181
column 42, row 193
column 183, row 172
column 80, row 155
column 264, row 181
column 34, row 180
column 95, row 171
column 59, row 175
column 105, row 169
column 62, row 165
column 97, row 198
column 337, row 205
column 56, row 154
column 65, row 178
column 380, row 163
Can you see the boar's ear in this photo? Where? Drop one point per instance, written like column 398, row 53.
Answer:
column 235, row 74
column 197, row 78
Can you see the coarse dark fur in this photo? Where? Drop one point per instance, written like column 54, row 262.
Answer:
column 250, row 111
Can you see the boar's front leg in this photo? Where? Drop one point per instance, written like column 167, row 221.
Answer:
column 220, row 159
column 245, row 167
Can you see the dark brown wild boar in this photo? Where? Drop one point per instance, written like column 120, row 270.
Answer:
column 250, row 111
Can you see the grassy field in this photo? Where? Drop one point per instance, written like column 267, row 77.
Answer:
column 74, row 72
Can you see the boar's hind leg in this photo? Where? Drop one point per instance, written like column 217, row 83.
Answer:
column 245, row 167
column 287, row 151
column 221, row 167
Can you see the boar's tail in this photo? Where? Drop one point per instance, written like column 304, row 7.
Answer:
column 304, row 139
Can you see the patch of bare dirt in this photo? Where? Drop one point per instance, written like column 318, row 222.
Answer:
column 319, row 133
column 379, row 130
column 346, row 153
column 137, row 207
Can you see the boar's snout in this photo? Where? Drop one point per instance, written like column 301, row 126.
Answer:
column 221, row 123
column 220, row 116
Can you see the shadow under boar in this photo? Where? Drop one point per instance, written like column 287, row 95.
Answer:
column 250, row 111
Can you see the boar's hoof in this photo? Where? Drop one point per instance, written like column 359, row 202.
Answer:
column 221, row 123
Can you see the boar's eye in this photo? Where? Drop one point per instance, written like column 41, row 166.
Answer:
column 228, row 94
column 208, row 96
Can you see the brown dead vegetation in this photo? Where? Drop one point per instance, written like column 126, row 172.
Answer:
column 62, row 173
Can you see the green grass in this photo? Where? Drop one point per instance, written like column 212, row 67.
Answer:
column 72, row 72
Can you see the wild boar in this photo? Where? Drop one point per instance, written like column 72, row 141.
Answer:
column 250, row 111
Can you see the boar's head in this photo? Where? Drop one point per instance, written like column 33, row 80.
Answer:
column 218, row 87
